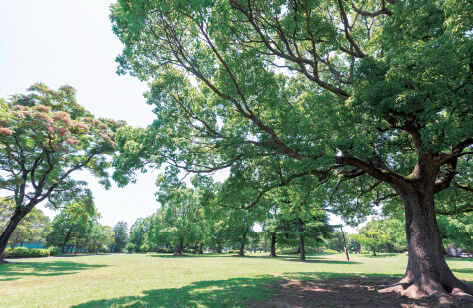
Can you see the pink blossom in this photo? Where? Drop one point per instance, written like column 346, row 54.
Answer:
column 42, row 108
column 5, row 131
column 72, row 141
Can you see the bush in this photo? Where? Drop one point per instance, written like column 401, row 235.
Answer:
column 188, row 250
column 231, row 251
column 330, row 251
column 165, row 250
column 144, row 248
column 130, row 247
column 54, row 251
column 23, row 252
column 365, row 252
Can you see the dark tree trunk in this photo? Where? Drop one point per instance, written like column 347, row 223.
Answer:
column 273, row 245
column 302, row 252
column 180, row 247
column 299, row 249
column 427, row 272
column 195, row 249
column 10, row 228
column 301, row 240
column 63, row 247
column 14, row 221
column 374, row 252
column 219, row 247
column 241, row 253
column 201, row 250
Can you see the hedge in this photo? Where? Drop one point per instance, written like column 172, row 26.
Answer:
column 23, row 252
column 165, row 250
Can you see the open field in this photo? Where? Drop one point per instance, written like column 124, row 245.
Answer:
column 153, row 280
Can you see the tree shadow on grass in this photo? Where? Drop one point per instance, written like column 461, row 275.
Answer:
column 309, row 259
column 190, row 255
column 290, row 290
column 16, row 270
column 463, row 270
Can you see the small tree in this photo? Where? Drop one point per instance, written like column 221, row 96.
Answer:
column 121, row 235
column 373, row 236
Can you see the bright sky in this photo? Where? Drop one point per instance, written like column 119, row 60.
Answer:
column 59, row 42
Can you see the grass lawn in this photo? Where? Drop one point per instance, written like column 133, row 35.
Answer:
column 154, row 280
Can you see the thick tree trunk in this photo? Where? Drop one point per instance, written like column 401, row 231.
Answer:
column 427, row 272
column 374, row 252
column 12, row 224
column 201, row 250
column 219, row 247
column 273, row 245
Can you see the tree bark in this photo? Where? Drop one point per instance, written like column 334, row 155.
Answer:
column 219, row 247
column 301, row 241
column 241, row 253
column 180, row 247
column 201, row 250
column 273, row 245
column 68, row 236
column 302, row 247
column 427, row 272
column 12, row 224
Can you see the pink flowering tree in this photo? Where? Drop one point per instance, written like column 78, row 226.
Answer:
column 45, row 136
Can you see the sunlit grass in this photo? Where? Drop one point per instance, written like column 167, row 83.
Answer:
column 152, row 280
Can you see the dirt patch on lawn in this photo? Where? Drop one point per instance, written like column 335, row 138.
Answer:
column 350, row 292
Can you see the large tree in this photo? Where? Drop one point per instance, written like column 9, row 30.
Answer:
column 375, row 92
column 45, row 136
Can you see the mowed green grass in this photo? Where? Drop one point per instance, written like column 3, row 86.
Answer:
column 153, row 280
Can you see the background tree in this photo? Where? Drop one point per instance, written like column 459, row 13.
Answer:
column 138, row 236
column 31, row 229
column 121, row 235
column 44, row 137
column 72, row 227
column 366, row 100
column 373, row 236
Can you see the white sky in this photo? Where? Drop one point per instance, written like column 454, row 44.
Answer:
column 59, row 42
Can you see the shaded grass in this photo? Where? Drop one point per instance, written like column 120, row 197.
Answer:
column 153, row 280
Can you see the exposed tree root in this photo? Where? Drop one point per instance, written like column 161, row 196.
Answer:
column 273, row 255
column 431, row 290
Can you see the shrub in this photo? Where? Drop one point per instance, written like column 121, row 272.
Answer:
column 130, row 247
column 23, row 252
column 365, row 252
column 330, row 251
column 165, row 250
column 54, row 251
column 144, row 248
column 188, row 250
column 231, row 251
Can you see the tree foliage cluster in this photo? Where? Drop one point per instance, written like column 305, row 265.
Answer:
column 45, row 138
